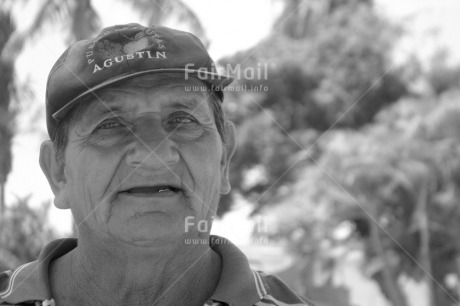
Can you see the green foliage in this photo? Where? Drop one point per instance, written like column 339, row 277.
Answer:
column 23, row 233
column 342, row 60
column 328, row 68
column 443, row 76
column 6, row 115
column 396, row 183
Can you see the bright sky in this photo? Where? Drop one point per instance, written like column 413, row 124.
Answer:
column 231, row 26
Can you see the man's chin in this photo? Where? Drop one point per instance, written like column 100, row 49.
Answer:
column 153, row 236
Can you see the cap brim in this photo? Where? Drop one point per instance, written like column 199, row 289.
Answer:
column 218, row 81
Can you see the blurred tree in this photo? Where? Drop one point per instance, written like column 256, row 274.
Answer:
column 23, row 233
column 397, row 183
column 6, row 113
column 326, row 66
column 442, row 75
column 82, row 20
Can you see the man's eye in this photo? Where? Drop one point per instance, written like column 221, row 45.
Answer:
column 111, row 125
column 182, row 119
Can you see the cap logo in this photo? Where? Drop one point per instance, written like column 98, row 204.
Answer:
column 145, row 44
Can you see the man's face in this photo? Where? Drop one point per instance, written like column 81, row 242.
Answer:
column 140, row 162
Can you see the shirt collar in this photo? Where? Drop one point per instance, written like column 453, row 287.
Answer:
column 239, row 285
column 30, row 282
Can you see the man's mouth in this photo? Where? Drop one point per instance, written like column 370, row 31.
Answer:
column 151, row 190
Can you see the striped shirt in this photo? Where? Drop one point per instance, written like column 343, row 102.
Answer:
column 239, row 285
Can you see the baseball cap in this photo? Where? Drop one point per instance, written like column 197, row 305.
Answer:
column 121, row 52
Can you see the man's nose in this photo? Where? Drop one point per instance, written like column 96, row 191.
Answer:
column 152, row 150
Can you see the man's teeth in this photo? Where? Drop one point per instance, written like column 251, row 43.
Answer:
column 164, row 190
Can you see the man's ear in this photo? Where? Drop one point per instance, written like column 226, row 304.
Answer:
column 229, row 150
column 54, row 172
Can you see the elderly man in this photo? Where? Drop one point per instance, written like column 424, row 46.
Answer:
column 141, row 160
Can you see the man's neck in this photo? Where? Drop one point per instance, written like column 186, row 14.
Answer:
column 163, row 277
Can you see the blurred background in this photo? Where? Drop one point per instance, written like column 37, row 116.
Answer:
column 346, row 179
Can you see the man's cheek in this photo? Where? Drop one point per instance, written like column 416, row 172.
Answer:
column 99, row 176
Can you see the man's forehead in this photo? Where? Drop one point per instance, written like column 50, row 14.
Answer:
column 118, row 99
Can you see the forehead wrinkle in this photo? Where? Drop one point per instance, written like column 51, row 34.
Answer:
column 105, row 102
column 187, row 103
column 102, row 110
column 111, row 100
column 192, row 101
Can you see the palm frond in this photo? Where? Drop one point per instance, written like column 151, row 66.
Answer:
column 156, row 12
column 186, row 14
column 85, row 21
column 153, row 11
column 51, row 11
column 82, row 17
